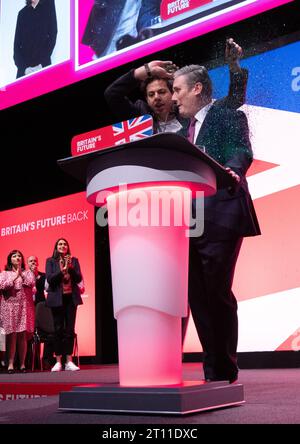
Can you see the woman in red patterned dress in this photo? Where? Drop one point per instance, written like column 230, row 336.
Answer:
column 17, row 307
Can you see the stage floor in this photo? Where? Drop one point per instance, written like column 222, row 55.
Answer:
column 272, row 397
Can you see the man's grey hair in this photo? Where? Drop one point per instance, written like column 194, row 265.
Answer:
column 194, row 74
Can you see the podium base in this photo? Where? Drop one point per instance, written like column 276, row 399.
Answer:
column 189, row 397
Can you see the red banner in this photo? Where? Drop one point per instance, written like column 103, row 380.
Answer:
column 116, row 134
column 169, row 8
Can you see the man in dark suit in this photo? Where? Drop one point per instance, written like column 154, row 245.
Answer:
column 39, row 296
column 115, row 24
column 229, row 216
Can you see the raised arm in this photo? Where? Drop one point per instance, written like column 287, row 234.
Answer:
column 117, row 95
column 238, row 77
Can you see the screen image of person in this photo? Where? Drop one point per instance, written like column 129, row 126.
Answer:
column 63, row 275
column 35, row 36
column 39, row 296
column 116, row 24
column 155, row 81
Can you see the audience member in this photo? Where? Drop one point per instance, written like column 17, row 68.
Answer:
column 229, row 216
column 35, row 36
column 63, row 275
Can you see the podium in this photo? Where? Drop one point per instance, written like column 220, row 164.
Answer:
column 146, row 187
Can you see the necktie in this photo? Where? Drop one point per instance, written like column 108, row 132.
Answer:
column 191, row 130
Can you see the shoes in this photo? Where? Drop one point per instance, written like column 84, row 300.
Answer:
column 23, row 370
column 57, row 367
column 11, row 371
column 71, row 367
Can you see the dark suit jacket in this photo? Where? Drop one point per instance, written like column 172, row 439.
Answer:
column 117, row 96
column 225, row 135
column 54, row 278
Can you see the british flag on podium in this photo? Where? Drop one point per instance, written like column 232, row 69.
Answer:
column 133, row 129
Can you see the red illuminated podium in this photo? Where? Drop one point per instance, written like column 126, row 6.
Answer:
column 147, row 187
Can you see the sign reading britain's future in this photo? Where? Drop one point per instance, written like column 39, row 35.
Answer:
column 116, row 134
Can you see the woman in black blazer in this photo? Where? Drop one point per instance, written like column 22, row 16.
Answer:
column 63, row 276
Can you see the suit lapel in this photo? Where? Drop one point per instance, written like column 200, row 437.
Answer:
column 208, row 133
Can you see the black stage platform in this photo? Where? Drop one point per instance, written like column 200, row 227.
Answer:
column 272, row 397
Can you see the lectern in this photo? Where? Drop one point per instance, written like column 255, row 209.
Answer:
column 147, row 187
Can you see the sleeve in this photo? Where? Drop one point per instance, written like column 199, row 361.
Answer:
column 91, row 25
column 53, row 277
column 149, row 10
column 237, row 90
column 99, row 26
column 116, row 96
column 18, row 58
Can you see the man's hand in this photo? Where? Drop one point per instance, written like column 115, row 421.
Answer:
column 160, row 68
column 233, row 53
column 233, row 174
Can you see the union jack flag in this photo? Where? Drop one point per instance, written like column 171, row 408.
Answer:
column 133, row 129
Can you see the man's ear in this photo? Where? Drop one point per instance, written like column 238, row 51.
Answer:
column 198, row 88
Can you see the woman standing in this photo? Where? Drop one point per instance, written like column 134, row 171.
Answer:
column 17, row 307
column 63, row 276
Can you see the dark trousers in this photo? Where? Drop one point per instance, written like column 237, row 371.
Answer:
column 64, row 318
column 213, row 304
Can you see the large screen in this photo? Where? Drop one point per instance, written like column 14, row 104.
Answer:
column 59, row 42
column 267, row 278
column 34, row 229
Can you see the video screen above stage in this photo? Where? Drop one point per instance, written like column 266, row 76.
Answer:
column 34, row 229
column 63, row 41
